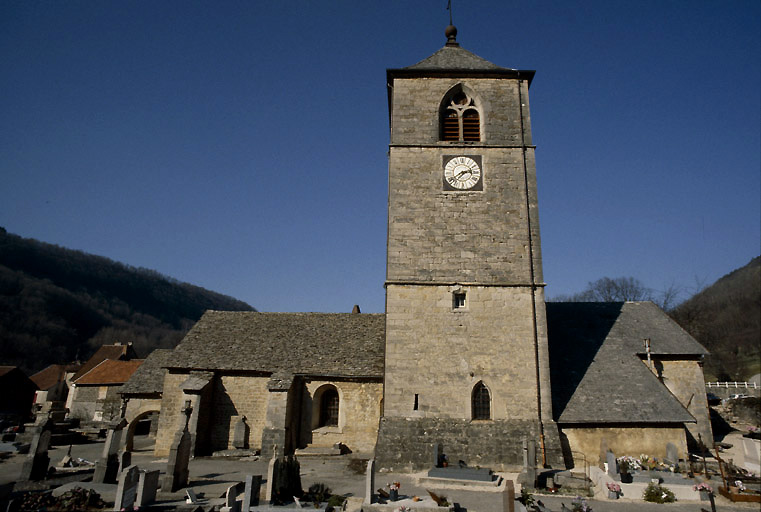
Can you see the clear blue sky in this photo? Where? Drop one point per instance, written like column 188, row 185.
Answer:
column 241, row 146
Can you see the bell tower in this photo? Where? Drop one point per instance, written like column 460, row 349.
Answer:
column 467, row 362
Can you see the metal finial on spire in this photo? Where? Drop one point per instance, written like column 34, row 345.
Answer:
column 451, row 30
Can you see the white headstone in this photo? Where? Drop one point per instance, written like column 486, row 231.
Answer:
column 370, row 481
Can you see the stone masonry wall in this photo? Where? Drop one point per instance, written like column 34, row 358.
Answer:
column 171, row 417
column 358, row 415
column 441, row 353
column 686, row 382
column 622, row 441
column 236, row 396
column 460, row 236
column 406, row 444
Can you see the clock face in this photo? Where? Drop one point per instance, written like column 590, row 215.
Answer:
column 462, row 172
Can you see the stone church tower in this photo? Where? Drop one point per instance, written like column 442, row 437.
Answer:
column 466, row 361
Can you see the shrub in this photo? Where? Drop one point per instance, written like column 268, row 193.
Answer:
column 656, row 493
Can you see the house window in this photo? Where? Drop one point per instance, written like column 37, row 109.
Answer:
column 460, row 118
column 481, row 402
column 458, row 300
column 329, row 408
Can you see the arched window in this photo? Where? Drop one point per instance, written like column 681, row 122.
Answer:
column 460, row 120
column 329, row 408
column 481, row 402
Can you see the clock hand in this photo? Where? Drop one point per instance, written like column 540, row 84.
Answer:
column 468, row 171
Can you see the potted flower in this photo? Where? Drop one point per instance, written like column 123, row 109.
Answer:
column 393, row 489
column 704, row 489
column 626, row 477
column 614, row 490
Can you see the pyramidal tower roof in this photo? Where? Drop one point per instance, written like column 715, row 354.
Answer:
column 453, row 60
column 453, row 57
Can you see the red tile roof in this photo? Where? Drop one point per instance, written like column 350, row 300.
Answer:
column 110, row 372
column 124, row 351
column 53, row 374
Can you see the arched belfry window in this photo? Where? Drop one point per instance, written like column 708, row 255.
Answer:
column 481, row 402
column 329, row 408
column 460, row 118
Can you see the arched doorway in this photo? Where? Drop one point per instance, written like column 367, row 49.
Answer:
column 144, row 424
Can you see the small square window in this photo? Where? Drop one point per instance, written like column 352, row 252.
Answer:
column 458, row 300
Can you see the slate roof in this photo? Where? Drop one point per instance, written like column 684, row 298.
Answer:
column 6, row 369
column 455, row 57
column 123, row 351
column 53, row 374
column 109, row 372
column 149, row 377
column 597, row 374
column 327, row 344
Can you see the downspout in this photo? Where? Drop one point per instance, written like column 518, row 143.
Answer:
column 532, row 278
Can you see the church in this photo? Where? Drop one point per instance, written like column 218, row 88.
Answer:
column 467, row 354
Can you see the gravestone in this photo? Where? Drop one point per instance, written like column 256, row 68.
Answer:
column 271, row 474
column 240, row 434
column 286, row 480
column 35, row 467
column 107, row 467
column 126, row 490
column 125, row 460
column 251, row 492
column 603, row 452
column 610, row 458
column 508, row 497
column 527, row 478
column 752, row 455
column 438, row 455
column 231, row 499
column 147, row 485
column 177, row 473
column 370, row 482
column 672, row 455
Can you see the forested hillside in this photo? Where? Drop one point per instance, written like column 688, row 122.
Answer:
column 726, row 319
column 58, row 304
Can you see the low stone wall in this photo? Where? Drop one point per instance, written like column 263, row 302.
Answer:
column 407, row 443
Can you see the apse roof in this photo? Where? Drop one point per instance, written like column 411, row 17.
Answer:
column 597, row 371
column 149, row 377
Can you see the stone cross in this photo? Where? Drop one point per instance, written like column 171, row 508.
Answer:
column 126, row 490
column 177, row 473
column 370, row 482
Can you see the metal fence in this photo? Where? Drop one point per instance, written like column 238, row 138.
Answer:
column 736, row 385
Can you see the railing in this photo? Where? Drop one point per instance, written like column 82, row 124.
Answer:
column 737, row 385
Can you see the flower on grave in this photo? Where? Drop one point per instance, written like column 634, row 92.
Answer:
column 613, row 487
column 403, row 509
column 702, row 486
column 739, row 485
column 579, row 504
column 394, row 486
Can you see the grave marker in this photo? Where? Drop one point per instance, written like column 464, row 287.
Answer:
column 251, row 492
column 610, row 458
column 672, row 455
column 107, row 467
column 35, row 466
column 231, row 502
column 126, row 490
column 177, row 472
column 240, row 434
column 147, row 485
column 370, row 482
